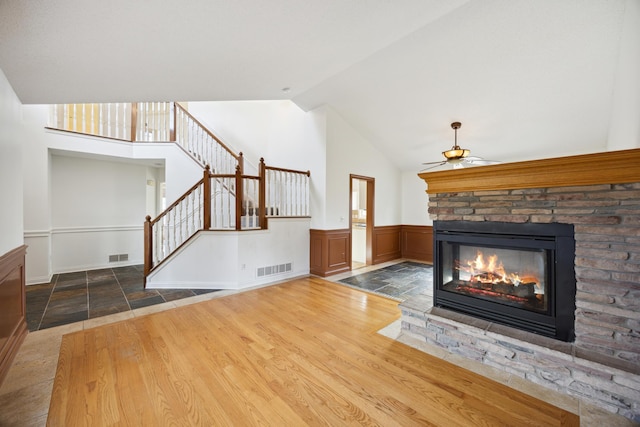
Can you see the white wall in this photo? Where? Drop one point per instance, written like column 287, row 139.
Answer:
column 349, row 153
column 415, row 200
column 230, row 260
column 11, row 220
column 624, row 127
column 97, row 210
column 279, row 131
column 37, row 202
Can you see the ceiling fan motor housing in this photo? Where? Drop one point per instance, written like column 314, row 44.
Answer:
column 456, row 153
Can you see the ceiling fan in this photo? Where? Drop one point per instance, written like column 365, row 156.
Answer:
column 459, row 157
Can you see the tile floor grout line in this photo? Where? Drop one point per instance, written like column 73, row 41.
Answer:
column 121, row 290
column 57, row 276
column 86, row 278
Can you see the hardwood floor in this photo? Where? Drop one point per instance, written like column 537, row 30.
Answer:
column 305, row 352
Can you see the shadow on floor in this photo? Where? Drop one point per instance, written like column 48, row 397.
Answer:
column 73, row 297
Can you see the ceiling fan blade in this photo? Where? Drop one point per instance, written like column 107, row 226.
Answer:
column 480, row 161
column 440, row 162
column 432, row 167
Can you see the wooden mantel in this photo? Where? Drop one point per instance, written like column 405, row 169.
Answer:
column 613, row 167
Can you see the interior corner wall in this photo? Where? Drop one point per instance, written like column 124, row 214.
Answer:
column 348, row 152
column 624, row 125
column 11, row 214
column 415, row 200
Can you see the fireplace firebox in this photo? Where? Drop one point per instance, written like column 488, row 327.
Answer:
column 519, row 275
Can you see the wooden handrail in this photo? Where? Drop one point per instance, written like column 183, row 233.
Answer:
column 273, row 168
column 174, row 204
column 238, row 157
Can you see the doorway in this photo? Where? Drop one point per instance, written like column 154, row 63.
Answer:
column 361, row 191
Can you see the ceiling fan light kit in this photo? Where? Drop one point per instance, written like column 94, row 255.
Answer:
column 458, row 156
column 456, row 153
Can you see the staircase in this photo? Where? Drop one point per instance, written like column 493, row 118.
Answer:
column 224, row 199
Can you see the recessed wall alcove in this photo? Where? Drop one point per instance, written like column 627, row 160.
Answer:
column 599, row 195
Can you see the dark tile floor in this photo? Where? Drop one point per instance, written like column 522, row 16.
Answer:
column 398, row 281
column 73, row 297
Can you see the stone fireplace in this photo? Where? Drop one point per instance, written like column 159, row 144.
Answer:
column 520, row 275
column 598, row 197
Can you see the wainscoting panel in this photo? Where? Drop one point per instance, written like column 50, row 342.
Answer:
column 386, row 243
column 13, row 322
column 329, row 252
column 417, row 242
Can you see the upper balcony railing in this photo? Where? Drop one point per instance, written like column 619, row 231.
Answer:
column 148, row 121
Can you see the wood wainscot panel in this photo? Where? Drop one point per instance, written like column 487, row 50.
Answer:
column 13, row 321
column 329, row 252
column 417, row 242
column 386, row 243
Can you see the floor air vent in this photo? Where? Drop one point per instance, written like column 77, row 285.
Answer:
column 274, row 269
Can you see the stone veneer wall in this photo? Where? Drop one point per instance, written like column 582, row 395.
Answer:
column 606, row 221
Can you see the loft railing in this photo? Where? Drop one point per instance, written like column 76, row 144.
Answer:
column 213, row 204
column 139, row 121
column 148, row 121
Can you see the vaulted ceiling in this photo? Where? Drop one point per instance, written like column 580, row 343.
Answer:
column 527, row 79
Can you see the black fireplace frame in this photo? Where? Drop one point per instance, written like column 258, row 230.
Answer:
column 559, row 320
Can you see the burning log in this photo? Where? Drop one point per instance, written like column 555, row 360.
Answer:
column 522, row 290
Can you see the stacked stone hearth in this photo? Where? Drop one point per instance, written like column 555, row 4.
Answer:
column 602, row 366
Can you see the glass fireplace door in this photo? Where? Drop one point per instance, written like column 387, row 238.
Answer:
column 513, row 277
column 519, row 275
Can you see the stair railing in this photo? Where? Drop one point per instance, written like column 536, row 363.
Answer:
column 212, row 204
column 203, row 145
column 286, row 191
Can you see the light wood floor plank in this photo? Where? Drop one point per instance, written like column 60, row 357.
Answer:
column 305, row 352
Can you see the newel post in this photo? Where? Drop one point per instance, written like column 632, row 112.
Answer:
column 241, row 162
column 134, row 120
column 262, row 192
column 172, row 122
column 148, row 246
column 239, row 197
column 206, row 202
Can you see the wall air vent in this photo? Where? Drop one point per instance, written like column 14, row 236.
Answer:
column 118, row 257
column 274, row 269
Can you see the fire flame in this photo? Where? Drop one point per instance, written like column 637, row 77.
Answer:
column 492, row 270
